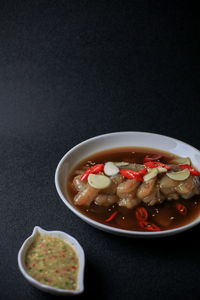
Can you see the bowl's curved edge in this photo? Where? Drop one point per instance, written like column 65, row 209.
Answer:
column 110, row 229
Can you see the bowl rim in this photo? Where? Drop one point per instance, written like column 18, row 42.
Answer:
column 115, row 230
column 47, row 288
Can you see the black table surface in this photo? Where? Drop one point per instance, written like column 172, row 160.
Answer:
column 71, row 70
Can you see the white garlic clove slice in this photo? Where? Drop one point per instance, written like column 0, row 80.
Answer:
column 111, row 169
column 161, row 170
column 121, row 163
column 181, row 161
column 99, row 181
column 181, row 175
column 153, row 173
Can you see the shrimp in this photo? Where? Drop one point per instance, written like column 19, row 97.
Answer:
column 129, row 200
column 86, row 195
column 115, row 181
column 188, row 188
column 168, row 188
column 78, row 183
column 109, row 197
column 146, row 188
column 128, row 186
column 105, row 200
column 126, row 191
column 154, row 197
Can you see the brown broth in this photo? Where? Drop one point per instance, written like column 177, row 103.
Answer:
column 164, row 215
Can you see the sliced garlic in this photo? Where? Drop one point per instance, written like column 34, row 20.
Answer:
column 181, row 161
column 153, row 173
column 181, row 175
column 161, row 170
column 121, row 164
column 99, row 181
column 111, row 169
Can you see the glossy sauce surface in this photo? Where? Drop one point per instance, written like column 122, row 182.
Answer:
column 165, row 216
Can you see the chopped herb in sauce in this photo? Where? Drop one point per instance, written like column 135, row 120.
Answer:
column 52, row 261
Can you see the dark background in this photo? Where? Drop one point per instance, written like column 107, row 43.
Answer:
column 70, row 70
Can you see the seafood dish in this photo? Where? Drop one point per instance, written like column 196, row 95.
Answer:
column 138, row 189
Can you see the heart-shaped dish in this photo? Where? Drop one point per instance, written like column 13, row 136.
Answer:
column 70, row 241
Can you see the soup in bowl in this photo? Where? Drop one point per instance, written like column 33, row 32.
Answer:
column 132, row 183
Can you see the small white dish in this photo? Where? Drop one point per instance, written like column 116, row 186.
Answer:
column 68, row 239
column 116, row 140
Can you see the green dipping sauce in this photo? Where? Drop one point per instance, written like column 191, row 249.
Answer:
column 53, row 262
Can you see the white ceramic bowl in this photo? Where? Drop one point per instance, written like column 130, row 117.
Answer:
column 114, row 140
column 68, row 239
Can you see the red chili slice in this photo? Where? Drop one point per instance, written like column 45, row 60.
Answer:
column 93, row 170
column 141, row 214
column 143, row 172
column 149, row 226
column 130, row 174
column 155, row 164
column 150, row 164
column 152, row 158
column 191, row 169
column 97, row 168
column 159, row 164
column 182, row 209
column 85, row 175
column 112, row 216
